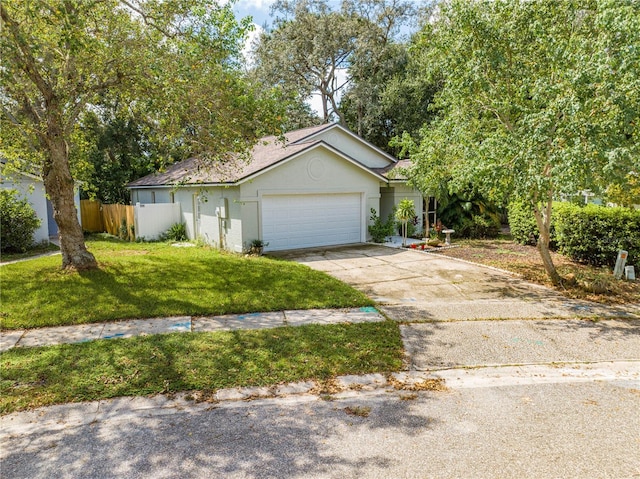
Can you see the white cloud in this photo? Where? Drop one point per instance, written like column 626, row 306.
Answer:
column 250, row 43
column 257, row 4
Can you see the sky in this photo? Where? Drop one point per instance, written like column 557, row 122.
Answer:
column 258, row 9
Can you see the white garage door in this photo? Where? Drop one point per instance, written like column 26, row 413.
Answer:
column 304, row 221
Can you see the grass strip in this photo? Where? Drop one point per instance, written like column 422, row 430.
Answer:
column 169, row 363
column 146, row 280
column 39, row 249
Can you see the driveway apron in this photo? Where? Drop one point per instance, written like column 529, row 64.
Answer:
column 415, row 286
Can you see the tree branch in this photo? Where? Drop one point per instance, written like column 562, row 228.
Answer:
column 148, row 19
column 26, row 59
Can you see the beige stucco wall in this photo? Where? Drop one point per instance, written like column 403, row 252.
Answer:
column 355, row 148
column 391, row 196
column 206, row 226
column 319, row 171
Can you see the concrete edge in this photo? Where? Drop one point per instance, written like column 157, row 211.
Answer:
column 11, row 338
column 407, row 383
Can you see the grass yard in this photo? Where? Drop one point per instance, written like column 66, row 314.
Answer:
column 145, row 280
column 35, row 251
column 34, row 377
column 525, row 260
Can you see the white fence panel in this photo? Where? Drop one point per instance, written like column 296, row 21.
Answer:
column 153, row 219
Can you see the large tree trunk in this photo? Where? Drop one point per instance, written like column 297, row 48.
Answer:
column 543, row 221
column 58, row 184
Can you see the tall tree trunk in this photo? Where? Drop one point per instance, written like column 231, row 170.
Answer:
column 58, row 184
column 543, row 220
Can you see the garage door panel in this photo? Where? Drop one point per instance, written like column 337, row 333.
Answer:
column 303, row 221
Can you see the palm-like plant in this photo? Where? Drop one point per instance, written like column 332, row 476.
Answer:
column 406, row 211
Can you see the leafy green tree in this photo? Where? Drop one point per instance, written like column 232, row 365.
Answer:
column 387, row 95
column 306, row 51
column 119, row 150
column 628, row 194
column 392, row 99
column 315, row 49
column 538, row 99
column 173, row 59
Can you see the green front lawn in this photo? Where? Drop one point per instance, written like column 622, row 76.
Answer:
column 35, row 251
column 145, row 280
column 139, row 366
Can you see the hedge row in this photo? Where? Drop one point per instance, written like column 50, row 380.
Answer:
column 588, row 234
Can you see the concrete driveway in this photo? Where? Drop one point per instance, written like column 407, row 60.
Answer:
column 416, row 286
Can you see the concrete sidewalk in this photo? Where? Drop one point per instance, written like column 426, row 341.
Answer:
column 183, row 324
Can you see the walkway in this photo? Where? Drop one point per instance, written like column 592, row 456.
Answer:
column 183, row 324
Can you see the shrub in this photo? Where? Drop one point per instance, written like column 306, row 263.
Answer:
column 177, row 232
column 126, row 232
column 522, row 223
column 412, row 227
column 18, row 222
column 470, row 214
column 479, row 226
column 593, row 234
column 378, row 229
column 589, row 234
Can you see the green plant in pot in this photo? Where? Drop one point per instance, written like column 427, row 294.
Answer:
column 434, row 234
column 405, row 212
column 257, row 247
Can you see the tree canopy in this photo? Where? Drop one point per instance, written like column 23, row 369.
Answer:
column 314, row 49
column 537, row 99
column 175, row 61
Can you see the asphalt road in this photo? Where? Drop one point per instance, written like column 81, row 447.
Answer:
column 564, row 429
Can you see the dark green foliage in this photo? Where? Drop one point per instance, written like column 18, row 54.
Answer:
column 380, row 230
column 121, row 150
column 589, row 234
column 522, row 223
column 479, row 227
column 177, row 232
column 469, row 214
column 18, row 222
column 593, row 234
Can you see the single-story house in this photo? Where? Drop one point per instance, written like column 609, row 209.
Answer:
column 31, row 187
column 315, row 187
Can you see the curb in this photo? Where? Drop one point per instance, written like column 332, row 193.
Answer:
column 407, row 383
column 63, row 416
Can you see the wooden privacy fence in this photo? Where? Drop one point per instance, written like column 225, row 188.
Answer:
column 117, row 220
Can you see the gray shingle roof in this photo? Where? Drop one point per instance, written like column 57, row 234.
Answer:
column 267, row 152
column 396, row 171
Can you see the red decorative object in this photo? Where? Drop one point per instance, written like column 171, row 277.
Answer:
column 422, row 247
column 413, row 246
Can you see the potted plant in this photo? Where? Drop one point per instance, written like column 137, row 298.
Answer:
column 257, row 247
column 434, row 237
column 405, row 212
